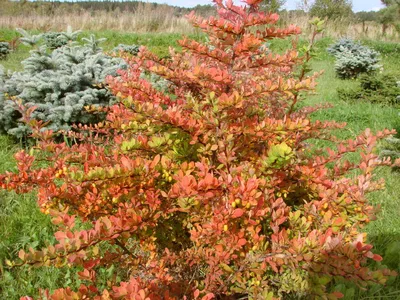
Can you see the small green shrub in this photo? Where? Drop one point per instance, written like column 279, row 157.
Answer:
column 4, row 49
column 379, row 88
column 29, row 39
column 159, row 83
column 54, row 40
column 391, row 148
column 156, row 81
column 391, row 145
column 384, row 48
column 343, row 45
column 353, row 59
column 131, row 49
column 59, row 84
column 2, row 75
column 350, row 65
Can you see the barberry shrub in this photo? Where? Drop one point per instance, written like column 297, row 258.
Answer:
column 353, row 59
column 207, row 190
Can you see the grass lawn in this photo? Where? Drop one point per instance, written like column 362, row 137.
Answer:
column 22, row 225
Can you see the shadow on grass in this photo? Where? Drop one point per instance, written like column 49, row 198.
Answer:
column 388, row 246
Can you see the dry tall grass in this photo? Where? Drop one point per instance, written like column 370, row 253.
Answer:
column 150, row 18
column 146, row 18
column 346, row 28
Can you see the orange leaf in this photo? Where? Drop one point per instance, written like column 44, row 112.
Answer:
column 237, row 213
column 338, row 295
column 252, row 2
column 377, row 257
column 242, row 242
column 155, row 161
column 219, row 248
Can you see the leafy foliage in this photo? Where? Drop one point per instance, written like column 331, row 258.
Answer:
column 4, row 50
column 59, row 84
column 209, row 189
column 384, row 48
column 390, row 15
column 378, row 88
column 335, row 10
column 272, row 5
column 366, row 16
column 352, row 58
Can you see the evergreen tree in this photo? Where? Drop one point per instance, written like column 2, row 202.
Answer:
column 59, row 84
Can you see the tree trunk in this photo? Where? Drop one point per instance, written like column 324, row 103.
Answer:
column 384, row 28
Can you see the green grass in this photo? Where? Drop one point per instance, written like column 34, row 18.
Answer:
column 158, row 43
column 384, row 233
column 22, row 225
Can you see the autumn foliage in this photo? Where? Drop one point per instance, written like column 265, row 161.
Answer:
column 212, row 189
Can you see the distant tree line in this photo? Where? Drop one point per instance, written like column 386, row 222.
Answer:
column 131, row 6
column 53, row 7
column 326, row 9
column 342, row 9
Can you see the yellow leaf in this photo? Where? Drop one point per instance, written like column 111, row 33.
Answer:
column 226, row 268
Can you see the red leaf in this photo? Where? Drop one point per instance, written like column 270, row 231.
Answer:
column 209, row 296
column 126, row 163
column 377, row 257
column 338, row 295
column 338, row 222
column 237, row 213
column 252, row 2
column 219, row 248
column 21, row 254
column 155, row 161
column 242, row 242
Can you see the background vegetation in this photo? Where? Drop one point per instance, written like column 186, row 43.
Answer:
column 138, row 16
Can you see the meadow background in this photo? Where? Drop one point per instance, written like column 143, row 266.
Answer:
column 159, row 27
